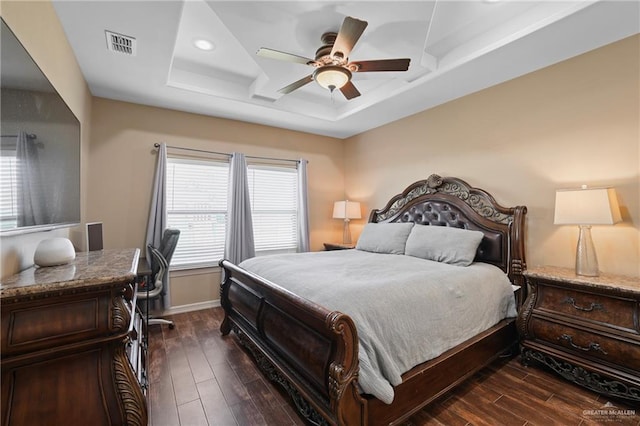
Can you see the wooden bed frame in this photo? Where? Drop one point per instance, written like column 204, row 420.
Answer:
column 313, row 352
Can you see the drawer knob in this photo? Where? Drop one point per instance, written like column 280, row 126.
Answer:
column 592, row 346
column 571, row 301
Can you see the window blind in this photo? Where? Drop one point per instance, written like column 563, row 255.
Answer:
column 8, row 191
column 274, row 208
column 197, row 205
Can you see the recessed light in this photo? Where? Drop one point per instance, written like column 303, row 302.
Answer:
column 203, row 44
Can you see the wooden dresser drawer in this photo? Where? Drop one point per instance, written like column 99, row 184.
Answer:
column 605, row 310
column 48, row 323
column 587, row 343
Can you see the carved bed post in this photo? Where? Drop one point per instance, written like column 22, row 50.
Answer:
column 225, row 326
column 345, row 399
column 518, row 261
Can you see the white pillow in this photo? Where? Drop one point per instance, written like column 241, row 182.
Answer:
column 444, row 244
column 384, row 237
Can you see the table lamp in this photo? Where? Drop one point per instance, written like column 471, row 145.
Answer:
column 585, row 207
column 346, row 210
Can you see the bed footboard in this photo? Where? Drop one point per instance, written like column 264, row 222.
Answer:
column 311, row 351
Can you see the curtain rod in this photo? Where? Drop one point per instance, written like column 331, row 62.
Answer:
column 29, row 135
column 157, row 145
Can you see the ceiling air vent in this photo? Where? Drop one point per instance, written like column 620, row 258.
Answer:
column 120, row 43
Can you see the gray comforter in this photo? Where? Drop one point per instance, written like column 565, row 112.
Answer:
column 407, row 310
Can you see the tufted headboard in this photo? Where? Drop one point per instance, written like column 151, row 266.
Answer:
column 449, row 201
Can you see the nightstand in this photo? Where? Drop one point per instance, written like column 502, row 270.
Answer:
column 586, row 329
column 338, row 246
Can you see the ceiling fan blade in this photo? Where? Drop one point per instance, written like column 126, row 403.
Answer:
column 349, row 90
column 381, row 65
column 348, row 36
column 283, row 56
column 296, row 85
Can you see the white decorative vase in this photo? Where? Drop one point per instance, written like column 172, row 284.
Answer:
column 54, row 251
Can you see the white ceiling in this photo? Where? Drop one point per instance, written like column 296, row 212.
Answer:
column 456, row 48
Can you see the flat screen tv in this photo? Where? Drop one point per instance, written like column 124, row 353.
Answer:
column 40, row 147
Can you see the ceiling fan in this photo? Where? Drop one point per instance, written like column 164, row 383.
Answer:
column 332, row 67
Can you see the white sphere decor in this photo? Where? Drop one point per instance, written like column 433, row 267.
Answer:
column 54, row 251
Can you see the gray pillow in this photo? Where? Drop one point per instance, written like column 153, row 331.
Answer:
column 444, row 244
column 384, row 237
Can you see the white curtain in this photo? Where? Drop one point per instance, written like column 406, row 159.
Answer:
column 32, row 201
column 303, row 207
column 239, row 243
column 157, row 222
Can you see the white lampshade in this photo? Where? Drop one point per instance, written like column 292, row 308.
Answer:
column 332, row 77
column 346, row 210
column 586, row 206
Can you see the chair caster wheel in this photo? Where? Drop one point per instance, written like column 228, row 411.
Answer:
column 172, row 326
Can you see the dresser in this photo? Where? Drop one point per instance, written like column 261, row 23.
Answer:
column 586, row 329
column 72, row 349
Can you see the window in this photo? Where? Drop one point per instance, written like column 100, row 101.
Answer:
column 274, row 208
column 8, row 190
column 197, row 205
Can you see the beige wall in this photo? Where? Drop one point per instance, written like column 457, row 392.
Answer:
column 122, row 163
column 572, row 123
column 36, row 25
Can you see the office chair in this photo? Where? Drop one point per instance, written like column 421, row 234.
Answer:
column 159, row 262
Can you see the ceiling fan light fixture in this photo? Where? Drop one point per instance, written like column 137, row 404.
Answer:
column 332, row 77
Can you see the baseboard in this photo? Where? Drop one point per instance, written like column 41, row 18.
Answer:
column 191, row 307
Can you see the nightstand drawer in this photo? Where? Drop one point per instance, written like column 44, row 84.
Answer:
column 625, row 354
column 608, row 311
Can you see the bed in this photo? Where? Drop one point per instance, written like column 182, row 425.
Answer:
column 313, row 351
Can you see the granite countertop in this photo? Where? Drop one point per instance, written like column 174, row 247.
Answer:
column 621, row 282
column 87, row 269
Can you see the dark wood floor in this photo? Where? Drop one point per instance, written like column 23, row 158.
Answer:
column 197, row 377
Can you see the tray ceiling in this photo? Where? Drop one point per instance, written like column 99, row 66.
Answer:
column 456, row 48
